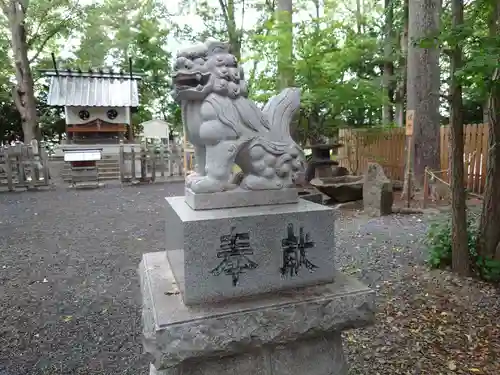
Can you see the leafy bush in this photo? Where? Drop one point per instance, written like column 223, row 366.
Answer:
column 438, row 242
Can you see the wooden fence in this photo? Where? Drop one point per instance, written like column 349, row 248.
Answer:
column 362, row 146
column 151, row 163
column 475, row 155
column 23, row 166
column 387, row 147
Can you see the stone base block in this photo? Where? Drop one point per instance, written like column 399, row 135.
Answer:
column 311, row 197
column 240, row 252
column 239, row 198
column 288, row 332
column 315, row 356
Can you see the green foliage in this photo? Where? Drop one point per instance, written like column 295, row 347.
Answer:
column 438, row 241
column 337, row 53
column 100, row 34
column 480, row 48
column 173, row 116
column 489, row 268
column 119, row 30
column 439, row 246
column 335, row 67
column 222, row 20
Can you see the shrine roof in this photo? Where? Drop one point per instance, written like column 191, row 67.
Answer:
column 93, row 88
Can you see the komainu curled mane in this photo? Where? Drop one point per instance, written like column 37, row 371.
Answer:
column 227, row 128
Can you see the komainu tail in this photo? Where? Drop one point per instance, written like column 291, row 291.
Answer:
column 279, row 111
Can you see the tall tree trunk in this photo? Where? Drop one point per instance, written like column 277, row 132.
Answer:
column 286, row 73
column 359, row 20
column 317, row 8
column 23, row 93
column 488, row 242
column 387, row 78
column 359, row 116
column 400, row 98
column 423, row 86
column 460, row 248
column 233, row 33
column 492, row 32
column 285, row 49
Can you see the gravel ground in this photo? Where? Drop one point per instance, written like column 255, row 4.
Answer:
column 70, row 301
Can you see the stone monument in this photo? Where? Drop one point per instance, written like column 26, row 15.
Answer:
column 377, row 191
column 248, row 282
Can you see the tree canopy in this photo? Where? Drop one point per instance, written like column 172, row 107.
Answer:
column 348, row 63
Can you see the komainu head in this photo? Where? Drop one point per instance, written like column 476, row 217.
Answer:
column 204, row 69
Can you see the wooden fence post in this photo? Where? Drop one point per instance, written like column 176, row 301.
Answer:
column 21, row 176
column 35, row 161
column 121, row 161
column 162, row 159
column 357, row 153
column 132, row 165
column 143, row 158
column 45, row 165
column 152, row 156
column 177, row 168
column 8, row 166
column 31, row 159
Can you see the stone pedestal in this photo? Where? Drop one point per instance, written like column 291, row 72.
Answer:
column 296, row 331
column 249, row 290
column 236, row 252
column 239, row 198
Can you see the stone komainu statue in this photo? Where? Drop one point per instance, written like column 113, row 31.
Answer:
column 226, row 128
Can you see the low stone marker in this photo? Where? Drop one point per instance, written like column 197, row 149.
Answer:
column 248, row 282
column 377, row 191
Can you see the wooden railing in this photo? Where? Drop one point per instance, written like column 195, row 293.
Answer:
column 23, row 166
column 150, row 163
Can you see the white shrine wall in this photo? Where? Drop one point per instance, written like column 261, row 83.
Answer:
column 72, row 115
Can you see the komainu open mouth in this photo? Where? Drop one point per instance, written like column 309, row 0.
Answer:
column 190, row 80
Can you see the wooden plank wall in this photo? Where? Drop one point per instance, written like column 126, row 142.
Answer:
column 387, row 147
column 362, row 146
column 475, row 155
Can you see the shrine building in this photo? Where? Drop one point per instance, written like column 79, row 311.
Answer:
column 98, row 105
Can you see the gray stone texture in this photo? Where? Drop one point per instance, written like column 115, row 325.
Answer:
column 227, row 128
column 321, row 355
column 290, row 332
column 311, row 196
column 377, row 191
column 204, row 273
column 340, row 189
column 239, row 198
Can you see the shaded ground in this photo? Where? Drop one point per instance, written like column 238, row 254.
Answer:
column 70, row 300
column 430, row 323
